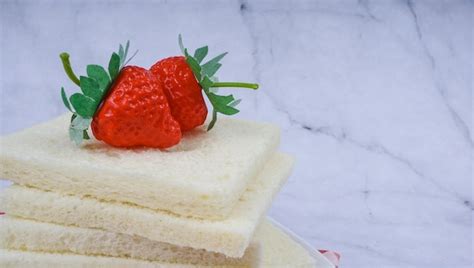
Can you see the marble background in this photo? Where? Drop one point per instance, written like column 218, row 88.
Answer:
column 374, row 99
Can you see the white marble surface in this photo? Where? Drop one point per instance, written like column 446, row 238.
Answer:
column 374, row 99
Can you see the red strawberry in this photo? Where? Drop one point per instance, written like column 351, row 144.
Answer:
column 135, row 112
column 130, row 106
column 183, row 92
column 185, row 79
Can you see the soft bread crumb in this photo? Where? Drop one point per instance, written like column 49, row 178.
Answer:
column 230, row 236
column 277, row 250
column 203, row 176
column 22, row 234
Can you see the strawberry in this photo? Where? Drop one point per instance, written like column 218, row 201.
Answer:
column 131, row 106
column 125, row 107
column 136, row 113
column 184, row 80
column 183, row 92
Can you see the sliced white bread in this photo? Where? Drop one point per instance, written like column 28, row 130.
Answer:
column 230, row 236
column 21, row 234
column 203, row 176
column 24, row 259
column 278, row 249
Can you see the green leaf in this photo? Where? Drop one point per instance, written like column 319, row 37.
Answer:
column 210, row 68
column 121, row 54
column 221, row 103
column 85, row 135
column 65, row 100
column 74, row 132
column 200, row 53
column 213, row 121
column 223, row 99
column 214, row 90
column 129, row 59
column 180, row 42
column 81, row 123
column 206, row 83
column 114, row 65
column 98, row 73
column 235, row 103
column 194, row 65
column 76, row 135
column 126, row 50
column 84, row 106
column 90, row 88
column 228, row 110
column 217, row 58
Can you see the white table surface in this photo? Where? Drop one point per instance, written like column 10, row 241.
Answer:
column 374, row 99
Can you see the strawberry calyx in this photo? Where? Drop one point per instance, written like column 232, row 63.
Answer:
column 205, row 76
column 94, row 88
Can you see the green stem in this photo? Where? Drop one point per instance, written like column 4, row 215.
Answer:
column 67, row 68
column 235, row 84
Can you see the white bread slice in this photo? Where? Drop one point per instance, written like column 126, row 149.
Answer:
column 21, row 234
column 24, row 259
column 278, row 249
column 230, row 236
column 203, row 176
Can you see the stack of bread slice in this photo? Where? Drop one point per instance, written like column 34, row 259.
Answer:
column 201, row 203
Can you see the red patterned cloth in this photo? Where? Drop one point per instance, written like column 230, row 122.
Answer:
column 332, row 256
